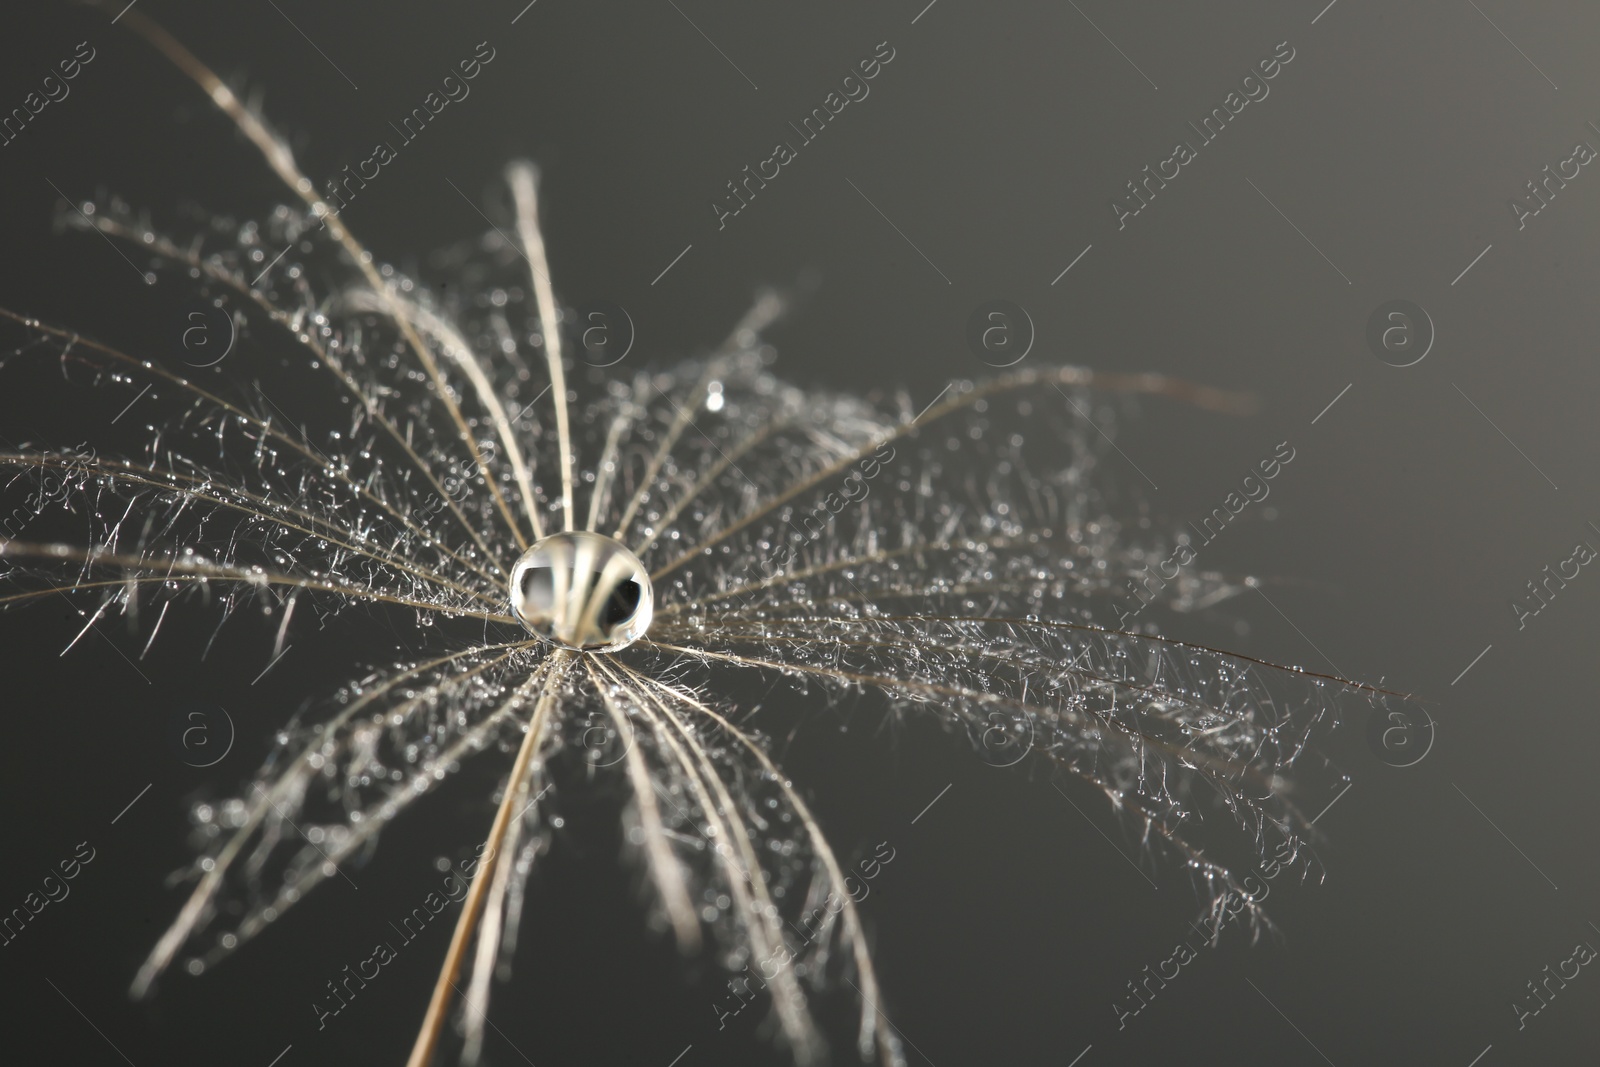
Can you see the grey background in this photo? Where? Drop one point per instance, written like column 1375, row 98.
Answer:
column 1418, row 506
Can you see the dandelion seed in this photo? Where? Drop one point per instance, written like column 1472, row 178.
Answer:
column 957, row 558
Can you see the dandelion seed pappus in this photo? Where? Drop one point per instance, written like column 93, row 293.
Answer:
column 584, row 550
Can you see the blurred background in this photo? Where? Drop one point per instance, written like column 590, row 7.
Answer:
column 1444, row 459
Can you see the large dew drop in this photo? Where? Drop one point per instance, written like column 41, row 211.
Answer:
column 582, row 591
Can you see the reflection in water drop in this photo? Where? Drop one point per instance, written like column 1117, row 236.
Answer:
column 582, row 591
